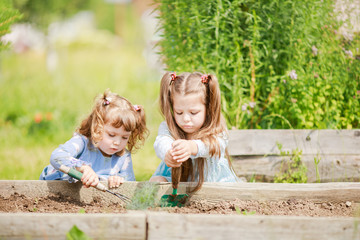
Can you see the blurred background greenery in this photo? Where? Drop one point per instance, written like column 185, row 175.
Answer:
column 64, row 54
column 280, row 64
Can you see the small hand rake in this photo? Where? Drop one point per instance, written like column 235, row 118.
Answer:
column 77, row 175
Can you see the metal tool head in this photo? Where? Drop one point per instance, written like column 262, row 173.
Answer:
column 121, row 196
column 174, row 199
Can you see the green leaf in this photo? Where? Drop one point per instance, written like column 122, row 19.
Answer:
column 76, row 234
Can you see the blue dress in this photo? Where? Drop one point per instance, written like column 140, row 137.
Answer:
column 216, row 168
column 79, row 151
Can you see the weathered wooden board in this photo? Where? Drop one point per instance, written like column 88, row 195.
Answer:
column 264, row 142
column 172, row 226
column 332, row 168
column 55, row 226
column 256, row 155
column 320, row 192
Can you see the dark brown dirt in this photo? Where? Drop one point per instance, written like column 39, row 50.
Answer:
column 62, row 204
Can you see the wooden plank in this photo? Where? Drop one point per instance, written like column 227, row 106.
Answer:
column 192, row 226
column 317, row 192
column 263, row 142
column 320, row 192
column 331, row 167
column 55, row 226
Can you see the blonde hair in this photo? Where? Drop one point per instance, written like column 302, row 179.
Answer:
column 117, row 111
column 208, row 88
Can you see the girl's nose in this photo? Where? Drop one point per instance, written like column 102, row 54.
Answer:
column 187, row 118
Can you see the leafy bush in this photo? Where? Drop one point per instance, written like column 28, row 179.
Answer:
column 292, row 169
column 280, row 64
column 8, row 16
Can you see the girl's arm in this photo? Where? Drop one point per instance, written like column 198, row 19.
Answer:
column 163, row 146
column 67, row 153
column 185, row 149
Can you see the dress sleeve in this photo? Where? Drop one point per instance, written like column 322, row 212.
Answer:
column 163, row 141
column 203, row 149
column 67, row 153
column 127, row 171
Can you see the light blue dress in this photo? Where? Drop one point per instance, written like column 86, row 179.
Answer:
column 216, row 169
column 79, row 151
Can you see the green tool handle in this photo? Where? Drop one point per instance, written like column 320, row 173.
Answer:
column 72, row 172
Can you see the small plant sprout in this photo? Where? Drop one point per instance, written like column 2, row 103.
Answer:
column 292, row 170
column 82, row 210
column 144, row 197
column 244, row 212
column 317, row 161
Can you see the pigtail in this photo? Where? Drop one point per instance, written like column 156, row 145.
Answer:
column 140, row 133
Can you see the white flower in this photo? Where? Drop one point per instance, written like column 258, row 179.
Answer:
column 244, row 107
column 314, row 50
column 349, row 52
column 252, row 104
column 293, row 74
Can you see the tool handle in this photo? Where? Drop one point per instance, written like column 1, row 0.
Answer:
column 72, row 172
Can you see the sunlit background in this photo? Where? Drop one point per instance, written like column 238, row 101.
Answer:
column 62, row 55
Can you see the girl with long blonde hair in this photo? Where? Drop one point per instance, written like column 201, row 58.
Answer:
column 192, row 142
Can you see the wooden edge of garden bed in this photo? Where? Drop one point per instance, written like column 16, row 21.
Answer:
column 161, row 225
column 318, row 192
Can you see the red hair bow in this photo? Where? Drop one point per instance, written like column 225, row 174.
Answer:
column 173, row 76
column 205, row 78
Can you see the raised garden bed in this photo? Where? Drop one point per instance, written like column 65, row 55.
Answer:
column 48, row 209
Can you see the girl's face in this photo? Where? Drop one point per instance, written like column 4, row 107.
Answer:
column 113, row 140
column 189, row 112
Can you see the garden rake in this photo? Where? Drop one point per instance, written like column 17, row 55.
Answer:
column 77, row 175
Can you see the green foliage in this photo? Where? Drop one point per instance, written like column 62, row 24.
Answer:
column 292, row 170
column 8, row 16
column 279, row 63
column 82, row 210
column 317, row 161
column 76, row 234
column 144, row 197
column 42, row 13
column 244, row 212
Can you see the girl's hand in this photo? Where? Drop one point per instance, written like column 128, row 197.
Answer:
column 89, row 178
column 169, row 161
column 183, row 149
column 115, row 181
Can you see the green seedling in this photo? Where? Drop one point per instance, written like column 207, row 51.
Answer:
column 245, row 212
column 144, row 197
column 82, row 210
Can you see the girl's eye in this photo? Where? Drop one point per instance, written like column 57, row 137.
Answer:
column 178, row 113
column 111, row 135
column 194, row 113
column 125, row 138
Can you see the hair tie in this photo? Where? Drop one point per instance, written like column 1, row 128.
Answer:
column 107, row 101
column 136, row 107
column 172, row 77
column 205, row 78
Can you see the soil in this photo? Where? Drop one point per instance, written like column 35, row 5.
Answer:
column 62, row 204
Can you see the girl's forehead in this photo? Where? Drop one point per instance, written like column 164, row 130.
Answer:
column 120, row 130
column 188, row 100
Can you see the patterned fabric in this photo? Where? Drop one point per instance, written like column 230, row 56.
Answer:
column 217, row 169
column 79, row 151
